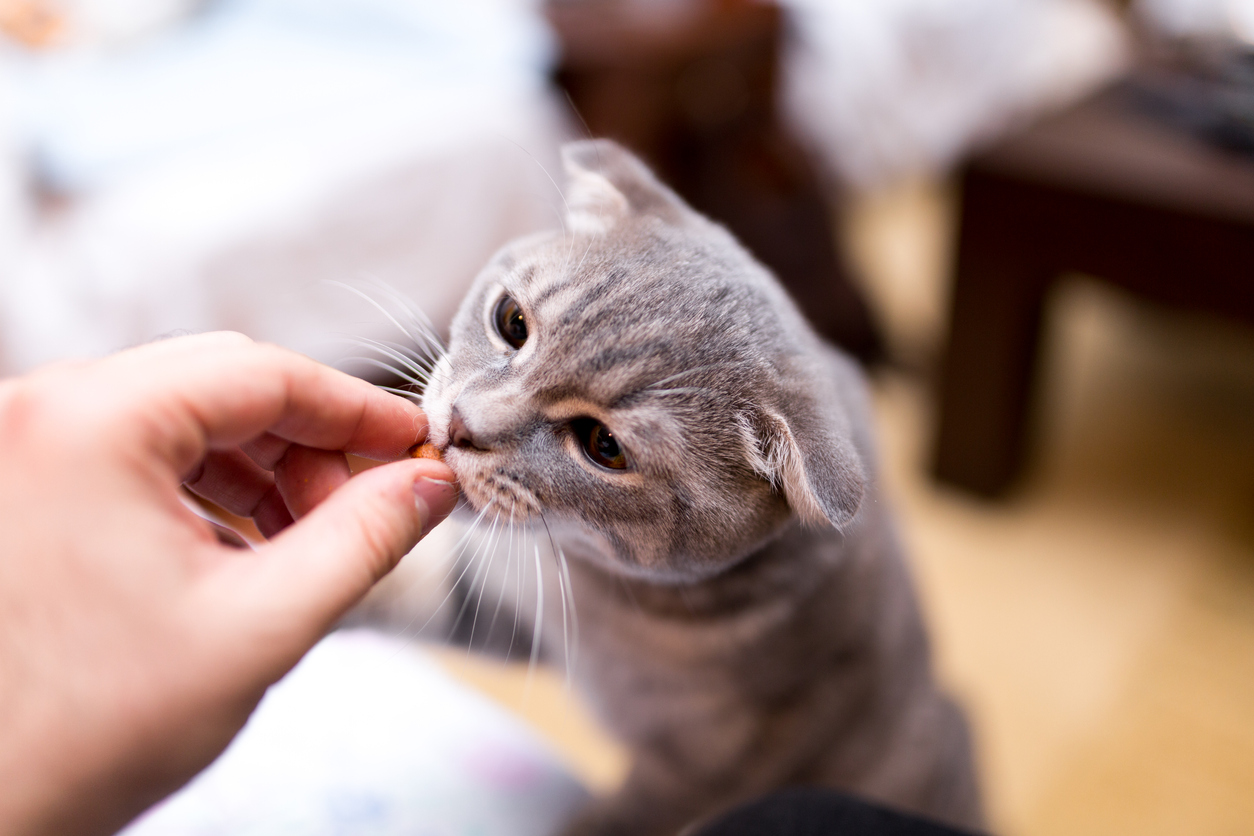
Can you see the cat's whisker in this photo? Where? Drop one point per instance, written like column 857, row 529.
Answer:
column 410, row 351
column 482, row 545
column 422, row 357
column 519, row 582
column 459, row 549
column 520, row 578
column 568, row 603
column 550, row 205
column 404, row 393
column 396, row 354
column 568, row 590
column 468, row 538
column 694, row 370
column 682, row 390
column 509, row 561
column 570, row 248
column 433, row 348
column 537, row 633
column 400, row 353
column 537, row 162
column 570, row 252
column 386, row 313
column 586, row 250
column 440, row 376
column 398, row 364
column 346, row 365
column 477, row 582
column 379, row 364
column 561, row 218
column 392, row 351
column 423, row 329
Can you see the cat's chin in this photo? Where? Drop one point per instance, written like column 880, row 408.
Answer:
column 492, row 493
column 504, row 509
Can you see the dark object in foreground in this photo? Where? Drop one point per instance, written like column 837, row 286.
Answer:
column 812, row 811
column 1102, row 189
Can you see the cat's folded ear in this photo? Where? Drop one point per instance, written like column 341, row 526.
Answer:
column 607, row 183
column 801, row 449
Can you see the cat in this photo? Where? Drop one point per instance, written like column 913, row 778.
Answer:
column 642, row 397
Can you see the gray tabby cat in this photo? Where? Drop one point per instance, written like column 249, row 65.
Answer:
column 704, row 462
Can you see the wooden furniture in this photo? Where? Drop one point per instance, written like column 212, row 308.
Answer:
column 1101, row 189
column 690, row 86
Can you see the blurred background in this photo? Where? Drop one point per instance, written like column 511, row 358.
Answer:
column 1032, row 220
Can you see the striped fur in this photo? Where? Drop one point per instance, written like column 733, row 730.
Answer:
column 745, row 618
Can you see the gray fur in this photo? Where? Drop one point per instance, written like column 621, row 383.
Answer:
column 745, row 618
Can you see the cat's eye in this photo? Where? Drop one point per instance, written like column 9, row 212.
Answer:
column 599, row 443
column 509, row 321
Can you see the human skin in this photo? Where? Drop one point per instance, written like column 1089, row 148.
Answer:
column 133, row 644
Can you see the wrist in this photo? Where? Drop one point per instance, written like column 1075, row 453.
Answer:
column 31, row 779
column 55, row 775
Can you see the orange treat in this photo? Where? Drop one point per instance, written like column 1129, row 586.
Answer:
column 426, row 451
column 34, row 23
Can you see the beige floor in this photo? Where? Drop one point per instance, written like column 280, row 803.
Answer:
column 1099, row 625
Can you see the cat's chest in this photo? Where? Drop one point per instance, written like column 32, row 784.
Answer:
column 634, row 636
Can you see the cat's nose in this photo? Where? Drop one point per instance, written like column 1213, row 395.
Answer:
column 459, row 434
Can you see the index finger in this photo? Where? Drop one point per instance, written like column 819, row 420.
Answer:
column 215, row 391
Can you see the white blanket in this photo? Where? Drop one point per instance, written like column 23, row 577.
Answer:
column 216, row 175
column 369, row 737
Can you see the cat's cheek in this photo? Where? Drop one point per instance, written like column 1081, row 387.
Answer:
column 471, row 490
column 456, row 460
column 469, row 477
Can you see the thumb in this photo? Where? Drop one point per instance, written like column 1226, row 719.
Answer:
column 323, row 564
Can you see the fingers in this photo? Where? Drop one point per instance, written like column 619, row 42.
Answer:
column 231, row 480
column 306, row 476
column 319, row 567
column 219, row 390
column 271, row 514
column 266, row 450
column 302, row 478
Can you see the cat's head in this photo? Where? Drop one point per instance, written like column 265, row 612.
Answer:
column 641, row 378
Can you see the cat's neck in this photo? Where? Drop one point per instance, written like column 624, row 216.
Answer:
column 791, row 566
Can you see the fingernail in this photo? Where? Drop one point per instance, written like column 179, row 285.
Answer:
column 435, row 498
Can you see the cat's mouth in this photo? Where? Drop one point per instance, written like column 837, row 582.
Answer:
column 487, row 486
column 491, row 489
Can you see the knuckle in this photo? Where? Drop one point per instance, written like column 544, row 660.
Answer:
column 34, row 413
column 19, row 405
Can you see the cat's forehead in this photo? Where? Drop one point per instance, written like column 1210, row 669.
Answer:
column 616, row 319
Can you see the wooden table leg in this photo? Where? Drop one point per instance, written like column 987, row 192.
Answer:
column 986, row 382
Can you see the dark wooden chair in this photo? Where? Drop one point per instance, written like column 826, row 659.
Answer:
column 1102, row 189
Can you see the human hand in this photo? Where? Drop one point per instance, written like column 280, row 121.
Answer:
column 133, row 645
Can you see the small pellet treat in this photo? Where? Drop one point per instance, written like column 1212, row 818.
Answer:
column 426, row 451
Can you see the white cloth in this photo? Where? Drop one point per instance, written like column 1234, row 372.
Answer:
column 900, row 88
column 1201, row 18
column 216, row 175
column 369, row 737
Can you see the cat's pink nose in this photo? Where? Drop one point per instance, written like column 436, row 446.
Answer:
column 458, row 433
